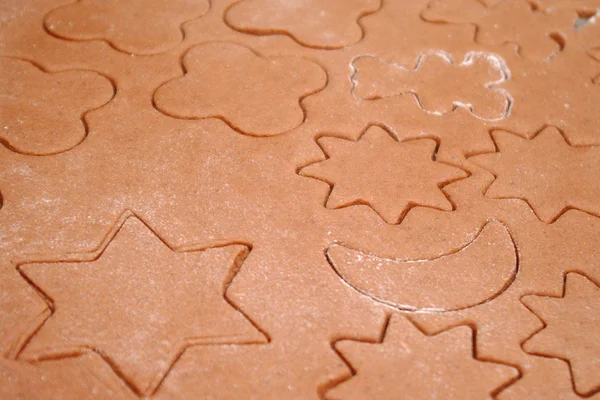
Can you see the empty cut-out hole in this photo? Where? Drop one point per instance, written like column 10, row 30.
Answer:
column 585, row 18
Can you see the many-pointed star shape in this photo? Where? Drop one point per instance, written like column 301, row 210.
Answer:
column 422, row 367
column 138, row 304
column 571, row 331
column 546, row 171
column 389, row 176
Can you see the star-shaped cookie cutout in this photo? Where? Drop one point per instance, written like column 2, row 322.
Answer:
column 546, row 171
column 442, row 366
column 138, row 304
column 571, row 330
column 85, row 377
column 389, row 176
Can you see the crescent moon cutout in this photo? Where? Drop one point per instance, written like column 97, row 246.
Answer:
column 475, row 274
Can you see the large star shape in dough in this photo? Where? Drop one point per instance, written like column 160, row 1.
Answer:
column 138, row 304
column 409, row 364
column 389, row 176
column 571, row 331
column 546, row 171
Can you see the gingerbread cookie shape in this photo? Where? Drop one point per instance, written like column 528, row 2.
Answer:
column 439, row 84
column 42, row 112
column 389, row 176
column 478, row 272
column 313, row 23
column 131, row 26
column 138, row 303
column 537, row 33
column 571, row 330
column 254, row 95
column 425, row 367
column 545, row 171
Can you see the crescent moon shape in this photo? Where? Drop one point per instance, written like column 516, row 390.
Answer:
column 472, row 275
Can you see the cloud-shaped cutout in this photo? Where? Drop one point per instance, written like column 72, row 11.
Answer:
column 314, row 23
column 43, row 112
column 133, row 26
column 254, row 95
